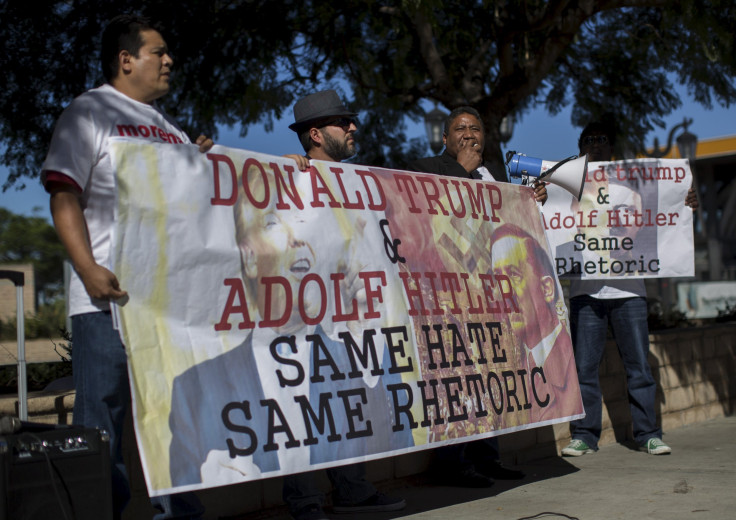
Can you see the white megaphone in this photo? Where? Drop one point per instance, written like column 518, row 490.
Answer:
column 568, row 174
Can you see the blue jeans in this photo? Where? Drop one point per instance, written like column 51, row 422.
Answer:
column 589, row 319
column 100, row 372
column 349, row 483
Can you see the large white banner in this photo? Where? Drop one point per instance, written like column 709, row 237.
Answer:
column 631, row 222
column 280, row 321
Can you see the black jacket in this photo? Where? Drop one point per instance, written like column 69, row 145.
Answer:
column 449, row 167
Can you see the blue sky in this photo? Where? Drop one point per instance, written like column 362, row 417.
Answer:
column 538, row 134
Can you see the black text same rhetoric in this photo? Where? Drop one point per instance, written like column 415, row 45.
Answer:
column 507, row 391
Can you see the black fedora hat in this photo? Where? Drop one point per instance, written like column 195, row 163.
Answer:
column 319, row 105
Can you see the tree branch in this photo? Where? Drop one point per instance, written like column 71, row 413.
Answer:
column 430, row 54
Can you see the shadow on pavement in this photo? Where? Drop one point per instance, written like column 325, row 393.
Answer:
column 422, row 494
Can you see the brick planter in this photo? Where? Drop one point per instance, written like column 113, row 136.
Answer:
column 693, row 368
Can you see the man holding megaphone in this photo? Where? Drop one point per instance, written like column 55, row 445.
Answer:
column 464, row 140
column 471, row 464
column 622, row 303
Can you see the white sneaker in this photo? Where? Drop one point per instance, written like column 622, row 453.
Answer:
column 656, row 446
column 576, row 448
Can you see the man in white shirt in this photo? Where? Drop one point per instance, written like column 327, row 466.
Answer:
column 78, row 174
column 595, row 303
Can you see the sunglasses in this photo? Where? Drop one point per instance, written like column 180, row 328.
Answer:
column 342, row 122
column 592, row 139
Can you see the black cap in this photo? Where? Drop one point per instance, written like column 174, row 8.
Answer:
column 319, row 105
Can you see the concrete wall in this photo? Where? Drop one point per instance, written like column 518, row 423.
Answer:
column 693, row 368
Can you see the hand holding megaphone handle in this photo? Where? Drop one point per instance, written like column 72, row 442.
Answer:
column 540, row 191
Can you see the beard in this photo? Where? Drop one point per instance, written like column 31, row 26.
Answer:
column 337, row 149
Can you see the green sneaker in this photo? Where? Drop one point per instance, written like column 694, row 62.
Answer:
column 656, row 446
column 576, row 448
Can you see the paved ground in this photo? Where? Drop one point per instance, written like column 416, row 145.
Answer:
column 697, row 481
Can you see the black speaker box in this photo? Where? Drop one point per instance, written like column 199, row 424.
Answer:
column 61, row 473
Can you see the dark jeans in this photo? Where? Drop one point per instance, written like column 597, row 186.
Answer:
column 100, row 370
column 349, row 483
column 589, row 319
column 465, row 455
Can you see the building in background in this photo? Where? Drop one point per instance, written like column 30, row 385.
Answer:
column 714, row 171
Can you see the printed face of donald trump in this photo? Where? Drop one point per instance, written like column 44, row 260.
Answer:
column 273, row 244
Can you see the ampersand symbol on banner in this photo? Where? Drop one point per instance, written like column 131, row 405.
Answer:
column 602, row 198
column 391, row 246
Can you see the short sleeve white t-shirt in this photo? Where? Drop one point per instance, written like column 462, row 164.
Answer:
column 79, row 150
column 608, row 289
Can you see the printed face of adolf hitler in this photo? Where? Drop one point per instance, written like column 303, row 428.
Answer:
column 534, row 291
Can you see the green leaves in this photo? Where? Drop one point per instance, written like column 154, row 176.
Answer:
column 33, row 240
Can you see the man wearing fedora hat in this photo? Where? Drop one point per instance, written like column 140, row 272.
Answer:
column 326, row 130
